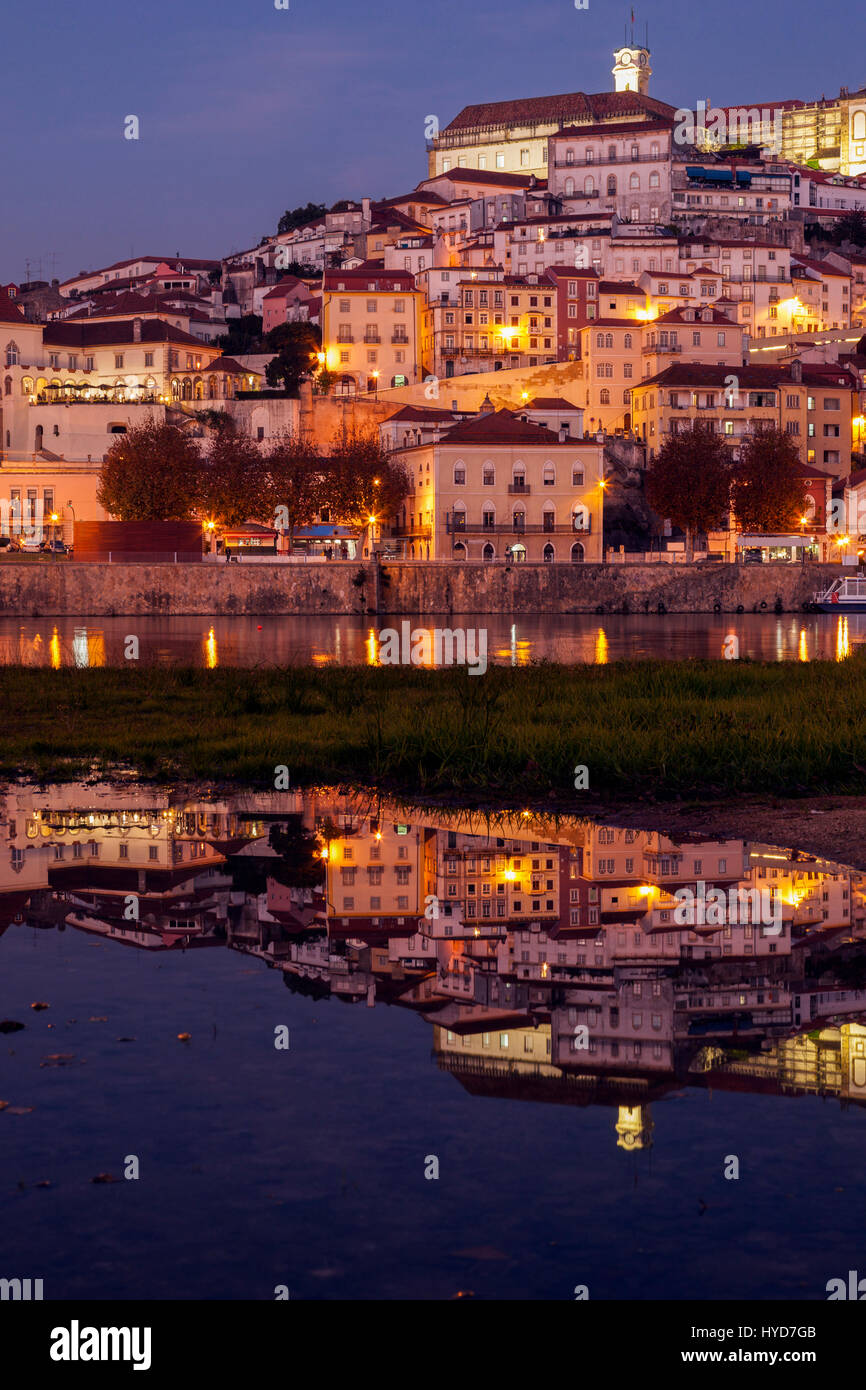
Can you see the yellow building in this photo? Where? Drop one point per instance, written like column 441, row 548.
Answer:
column 498, row 487
column 370, row 320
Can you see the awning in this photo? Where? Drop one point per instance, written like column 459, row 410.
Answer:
column 324, row 533
column 763, row 542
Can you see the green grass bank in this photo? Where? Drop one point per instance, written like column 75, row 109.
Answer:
column 699, row 730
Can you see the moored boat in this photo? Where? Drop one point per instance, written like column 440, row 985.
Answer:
column 843, row 596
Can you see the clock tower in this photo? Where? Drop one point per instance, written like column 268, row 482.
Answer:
column 632, row 71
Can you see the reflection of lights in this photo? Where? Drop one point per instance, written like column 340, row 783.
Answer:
column 372, row 647
column 601, row 647
column 803, row 649
column 211, row 655
column 54, row 649
column 843, row 646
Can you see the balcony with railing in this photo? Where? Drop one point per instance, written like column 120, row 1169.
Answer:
column 343, row 337
column 400, row 339
column 640, row 158
column 518, row 489
column 456, row 524
column 371, row 337
column 660, row 347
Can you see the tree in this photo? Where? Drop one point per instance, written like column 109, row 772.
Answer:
column 689, row 482
column 299, row 217
column 363, row 479
column 294, row 470
column 151, row 473
column 234, row 484
column 295, row 345
column 767, row 492
column 852, row 227
column 244, row 335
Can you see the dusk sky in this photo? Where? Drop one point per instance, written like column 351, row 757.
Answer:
column 246, row 110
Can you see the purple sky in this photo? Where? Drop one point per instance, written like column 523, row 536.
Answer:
column 245, row 110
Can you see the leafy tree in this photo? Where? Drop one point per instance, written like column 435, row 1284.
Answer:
column 151, row 473
column 300, row 217
column 363, row 479
column 852, row 227
column 295, row 346
column 244, row 335
column 689, row 482
column 767, row 492
column 294, row 470
column 234, row 484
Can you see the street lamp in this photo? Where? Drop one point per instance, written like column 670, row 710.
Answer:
column 376, row 379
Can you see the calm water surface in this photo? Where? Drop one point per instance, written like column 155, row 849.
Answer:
column 454, row 1037
column 331, row 641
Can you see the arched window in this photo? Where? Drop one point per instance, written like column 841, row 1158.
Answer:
column 634, row 181
column 187, row 389
column 627, row 341
column 212, row 386
column 569, row 188
column 577, row 553
column 548, row 517
column 608, row 369
column 589, row 184
column 459, row 551
column 548, row 554
column 518, row 519
column 488, row 475
column 626, row 396
column 599, row 340
column 459, row 516
column 654, row 181
column 518, row 552
column 199, row 389
column 488, row 516
column 488, row 554
column 518, row 475
column 654, row 150
column 548, row 475
column 11, row 354
column 858, row 125
column 611, row 185
column 608, row 340
column 27, row 386
column 605, row 396
column 175, row 389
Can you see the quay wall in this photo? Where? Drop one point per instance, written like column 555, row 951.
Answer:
column 69, row 589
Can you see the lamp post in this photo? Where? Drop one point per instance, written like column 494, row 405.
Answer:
column 376, row 379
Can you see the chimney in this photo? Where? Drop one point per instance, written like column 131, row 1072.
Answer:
column 365, row 209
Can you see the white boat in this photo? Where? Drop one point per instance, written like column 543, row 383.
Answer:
column 843, row 596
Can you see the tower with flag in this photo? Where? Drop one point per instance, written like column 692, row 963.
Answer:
column 632, row 71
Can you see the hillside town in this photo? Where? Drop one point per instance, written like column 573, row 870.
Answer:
column 575, row 282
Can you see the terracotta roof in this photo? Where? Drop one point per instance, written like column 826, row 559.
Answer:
column 500, row 427
column 481, row 176
column 820, row 266
column 550, row 403
column 9, row 310
column 81, row 333
column 613, row 129
column 420, row 412
column 230, row 367
column 359, row 278
column 681, row 315
column 619, row 287
column 768, row 378
column 570, row 106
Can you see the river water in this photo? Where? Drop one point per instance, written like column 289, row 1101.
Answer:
column 361, row 1051
column 333, row 641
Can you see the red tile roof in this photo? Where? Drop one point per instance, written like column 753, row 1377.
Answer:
column 9, row 310
column 612, row 129
column 500, row 427
column 550, row 403
column 482, row 176
column 570, row 106
column 81, row 333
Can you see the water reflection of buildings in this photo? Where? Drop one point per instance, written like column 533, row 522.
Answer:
column 546, row 955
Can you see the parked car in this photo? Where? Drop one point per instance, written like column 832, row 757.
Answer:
column 29, row 545
column 57, row 547
column 8, row 545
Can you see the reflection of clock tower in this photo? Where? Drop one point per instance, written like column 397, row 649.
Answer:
column 632, row 70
